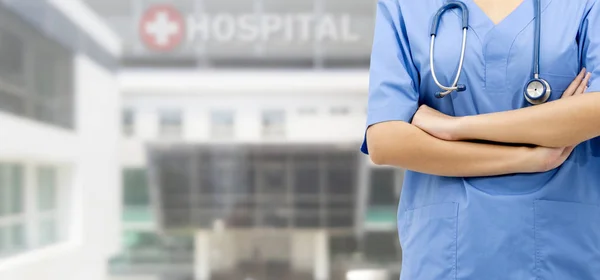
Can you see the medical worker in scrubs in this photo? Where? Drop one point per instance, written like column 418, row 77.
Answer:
column 496, row 187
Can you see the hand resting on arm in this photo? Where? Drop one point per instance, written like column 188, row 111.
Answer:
column 561, row 123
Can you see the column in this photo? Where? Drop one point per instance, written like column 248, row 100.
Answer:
column 202, row 255
column 321, row 265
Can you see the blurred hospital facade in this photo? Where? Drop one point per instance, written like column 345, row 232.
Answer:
column 170, row 153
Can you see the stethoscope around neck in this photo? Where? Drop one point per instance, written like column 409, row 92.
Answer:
column 537, row 90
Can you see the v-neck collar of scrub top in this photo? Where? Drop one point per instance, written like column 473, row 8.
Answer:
column 485, row 29
column 497, row 39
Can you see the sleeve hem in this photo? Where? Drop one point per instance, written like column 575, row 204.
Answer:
column 384, row 114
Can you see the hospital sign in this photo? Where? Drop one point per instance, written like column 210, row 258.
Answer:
column 165, row 28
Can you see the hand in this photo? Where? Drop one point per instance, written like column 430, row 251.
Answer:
column 447, row 127
column 435, row 123
column 579, row 85
column 546, row 159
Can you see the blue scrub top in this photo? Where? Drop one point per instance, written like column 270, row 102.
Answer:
column 519, row 226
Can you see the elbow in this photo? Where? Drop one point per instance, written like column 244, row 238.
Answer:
column 385, row 147
column 377, row 156
column 378, row 147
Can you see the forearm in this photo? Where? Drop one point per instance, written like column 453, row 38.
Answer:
column 560, row 123
column 406, row 146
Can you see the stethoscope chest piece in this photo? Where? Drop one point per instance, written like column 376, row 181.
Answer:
column 537, row 91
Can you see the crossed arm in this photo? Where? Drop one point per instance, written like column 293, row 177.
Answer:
column 566, row 122
column 438, row 144
column 433, row 144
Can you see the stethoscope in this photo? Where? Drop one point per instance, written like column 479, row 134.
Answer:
column 537, row 90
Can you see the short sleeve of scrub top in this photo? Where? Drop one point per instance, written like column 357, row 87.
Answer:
column 590, row 45
column 393, row 94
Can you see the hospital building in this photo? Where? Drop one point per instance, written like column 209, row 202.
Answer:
column 59, row 142
column 172, row 158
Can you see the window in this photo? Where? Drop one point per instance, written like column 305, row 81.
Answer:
column 382, row 247
column 136, row 196
column 47, row 181
column 35, row 75
column 383, row 187
column 170, row 123
column 12, row 218
column 340, row 111
column 307, row 111
column 273, row 123
column 222, row 124
column 29, row 207
column 128, row 122
column 12, row 93
column 135, row 188
column 11, row 58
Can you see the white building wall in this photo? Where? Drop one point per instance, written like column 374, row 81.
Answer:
column 247, row 94
column 100, row 174
column 91, row 153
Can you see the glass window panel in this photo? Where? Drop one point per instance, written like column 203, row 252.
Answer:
column 382, row 187
column 306, row 179
column 307, row 111
column 45, row 112
column 43, row 93
column 4, row 190
column 45, row 75
column 12, row 103
column 128, row 121
column 47, row 231
column 273, row 123
column 16, row 189
column 342, row 245
column 307, row 205
column 135, row 186
column 46, row 188
column 337, row 220
column 340, row 111
column 273, row 179
column 170, row 122
column 275, row 220
column 170, row 117
column 222, row 124
column 381, row 246
column 307, row 220
column 17, row 233
column 11, row 57
column 3, row 239
column 341, row 181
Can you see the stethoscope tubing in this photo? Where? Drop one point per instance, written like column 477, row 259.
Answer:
column 454, row 86
column 465, row 19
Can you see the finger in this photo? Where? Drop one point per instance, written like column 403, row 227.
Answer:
column 575, row 84
column 584, row 83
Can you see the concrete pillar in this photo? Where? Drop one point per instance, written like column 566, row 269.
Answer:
column 322, row 265
column 202, row 256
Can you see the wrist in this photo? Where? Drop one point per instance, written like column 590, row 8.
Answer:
column 531, row 160
column 459, row 131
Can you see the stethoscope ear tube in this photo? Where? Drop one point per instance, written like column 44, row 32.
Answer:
column 441, row 11
column 454, row 86
column 537, row 91
column 434, row 28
